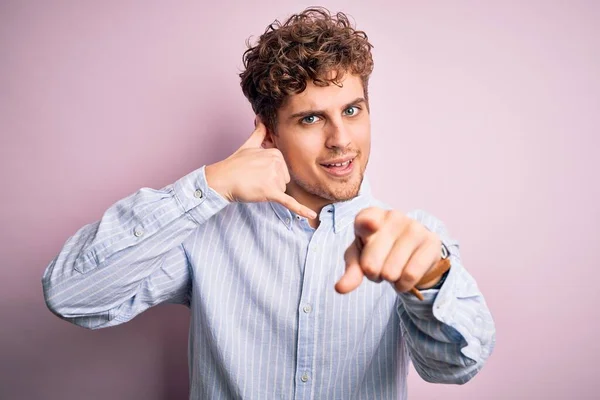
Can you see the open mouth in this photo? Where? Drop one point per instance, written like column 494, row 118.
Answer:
column 339, row 168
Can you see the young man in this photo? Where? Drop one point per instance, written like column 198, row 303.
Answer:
column 268, row 248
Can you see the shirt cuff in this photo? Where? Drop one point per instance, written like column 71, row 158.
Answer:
column 436, row 301
column 445, row 303
column 198, row 200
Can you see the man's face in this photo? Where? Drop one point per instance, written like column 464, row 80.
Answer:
column 322, row 127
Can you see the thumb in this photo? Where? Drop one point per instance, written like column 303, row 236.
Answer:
column 353, row 276
column 258, row 136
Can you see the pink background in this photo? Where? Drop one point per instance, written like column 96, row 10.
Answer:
column 484, row 113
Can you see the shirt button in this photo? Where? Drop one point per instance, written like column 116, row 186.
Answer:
column 305, row 377
column 138, row 232
column 307, row 308
column 287, row 221
column 198, row 194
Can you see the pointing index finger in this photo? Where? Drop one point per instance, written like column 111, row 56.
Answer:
column 368, row 222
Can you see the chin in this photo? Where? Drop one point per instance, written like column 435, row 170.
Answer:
column 333, row 190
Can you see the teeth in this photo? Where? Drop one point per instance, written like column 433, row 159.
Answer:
column 339, row 164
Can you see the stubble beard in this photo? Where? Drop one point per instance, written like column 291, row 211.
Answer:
column 342, row 190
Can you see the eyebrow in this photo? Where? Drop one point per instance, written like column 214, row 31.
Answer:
column 308, row 113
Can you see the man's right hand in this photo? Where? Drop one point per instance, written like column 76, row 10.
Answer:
column 253, row 174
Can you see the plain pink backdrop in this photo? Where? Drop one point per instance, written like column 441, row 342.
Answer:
column 485, row 114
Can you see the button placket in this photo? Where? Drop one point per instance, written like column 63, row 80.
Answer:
column 307, row 318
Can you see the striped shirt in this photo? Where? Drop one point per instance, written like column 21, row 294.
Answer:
column 266, row 322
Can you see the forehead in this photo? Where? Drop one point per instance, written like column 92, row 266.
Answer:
column 324, row 97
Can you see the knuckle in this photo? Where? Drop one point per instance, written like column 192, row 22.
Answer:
column 431, row 245
column 412, row 227
column 408, row 279
column 389, row 275
column 395, row 215
column 370, row 269
column 398, row 285
column 415, row 229
column 275, row 162
column 274, row 176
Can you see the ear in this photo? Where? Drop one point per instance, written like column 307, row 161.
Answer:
column 269, row 140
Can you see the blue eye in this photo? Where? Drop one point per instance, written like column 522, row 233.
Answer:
column 311, row 119
column 350, row 111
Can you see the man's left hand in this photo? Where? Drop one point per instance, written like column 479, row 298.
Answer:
column 390, row 246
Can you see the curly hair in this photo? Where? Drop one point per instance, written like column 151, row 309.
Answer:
column 311, row 46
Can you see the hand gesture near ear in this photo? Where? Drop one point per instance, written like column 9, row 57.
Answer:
column 254, row 174
column 392, row 247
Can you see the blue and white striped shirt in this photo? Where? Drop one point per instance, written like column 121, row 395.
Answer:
column 266, row 322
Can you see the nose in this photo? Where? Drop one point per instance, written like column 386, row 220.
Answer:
column 337, row 135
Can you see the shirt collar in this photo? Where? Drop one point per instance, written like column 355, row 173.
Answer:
column 339, row 214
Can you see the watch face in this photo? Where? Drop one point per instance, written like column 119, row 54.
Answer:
column 445, row 252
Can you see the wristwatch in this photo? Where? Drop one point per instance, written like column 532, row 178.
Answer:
column 445, row 255
column 445, row 252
